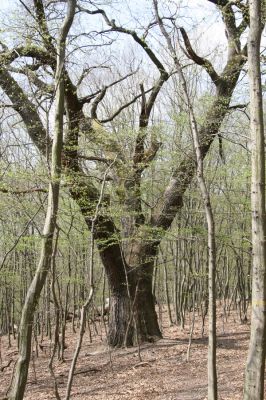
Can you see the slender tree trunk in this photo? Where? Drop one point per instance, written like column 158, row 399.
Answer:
column 212, row 374
column 254, row 375
column 90, row 297
column 25, row 333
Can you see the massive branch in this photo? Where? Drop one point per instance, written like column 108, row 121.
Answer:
column 206, row 64
column 27, row 111
column 172, row 199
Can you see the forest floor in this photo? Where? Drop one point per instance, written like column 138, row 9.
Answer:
column 162, row 373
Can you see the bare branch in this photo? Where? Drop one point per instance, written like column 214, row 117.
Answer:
column 7, row 57
column 25, row 191
column 33, row 78
column 88, row 98
column 133, row 34
column 96, row 102
column 86, row 71
column 146, row 108
column 206, row 64
column 132, row 101
column 220, row 3
column 26, row 7
column 143, row 112
column 238, row 106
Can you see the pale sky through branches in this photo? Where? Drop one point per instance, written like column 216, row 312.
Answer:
column 202, row 16
column 5, row 4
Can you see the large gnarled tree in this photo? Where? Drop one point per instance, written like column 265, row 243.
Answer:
column 127, row 251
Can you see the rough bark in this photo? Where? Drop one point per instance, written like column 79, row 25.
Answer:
column 121, row 328
column 146, row 317
column 254, row 375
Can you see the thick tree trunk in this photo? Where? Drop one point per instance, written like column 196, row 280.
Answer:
column 116, row 268
column 121, row 326
column 146, row 318
column 133, row 318
column 142, row 258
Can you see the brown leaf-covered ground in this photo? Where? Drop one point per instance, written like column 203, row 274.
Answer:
column 162, row 372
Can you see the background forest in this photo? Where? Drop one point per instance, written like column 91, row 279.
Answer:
column 127, row 249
